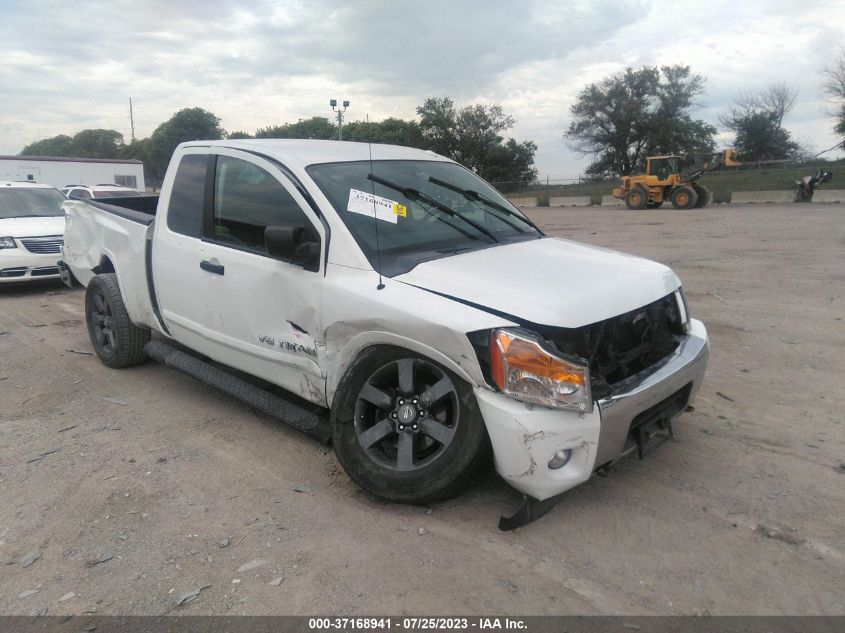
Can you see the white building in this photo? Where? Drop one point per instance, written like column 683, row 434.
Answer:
column 60, row 172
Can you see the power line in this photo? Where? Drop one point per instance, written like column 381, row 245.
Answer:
column 131, row 120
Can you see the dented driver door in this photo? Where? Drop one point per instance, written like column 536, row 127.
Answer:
column 261, row 314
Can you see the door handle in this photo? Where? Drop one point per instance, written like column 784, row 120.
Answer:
column 217, row 269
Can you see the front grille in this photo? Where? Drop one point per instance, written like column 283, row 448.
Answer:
column 43, row 245
column 623, row 345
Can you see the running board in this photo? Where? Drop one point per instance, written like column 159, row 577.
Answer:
column 300, row 418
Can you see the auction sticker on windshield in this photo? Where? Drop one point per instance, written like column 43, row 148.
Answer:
column 368, row 204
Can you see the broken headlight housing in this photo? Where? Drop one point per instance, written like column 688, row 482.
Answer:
column 683, row 308
column 523, row 368
column 7, row 242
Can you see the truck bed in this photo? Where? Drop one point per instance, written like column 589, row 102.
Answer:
column 105, row 237
column 140, row 209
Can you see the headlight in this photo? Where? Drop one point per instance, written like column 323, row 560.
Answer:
column 523, row 369
column 7, row 242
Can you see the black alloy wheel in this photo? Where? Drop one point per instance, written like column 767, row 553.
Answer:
column 116, row 340
column 406, row 429
column 101, row 322
column 407, row 414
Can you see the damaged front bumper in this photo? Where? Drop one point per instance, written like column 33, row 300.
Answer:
column 526, row 439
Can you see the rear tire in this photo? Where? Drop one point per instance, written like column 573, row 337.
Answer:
column 636, row 199
column 425, row 449
column 703, row 194
column 684, row 197
column 116, row 340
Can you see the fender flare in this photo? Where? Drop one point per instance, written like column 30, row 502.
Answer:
column 338, row 365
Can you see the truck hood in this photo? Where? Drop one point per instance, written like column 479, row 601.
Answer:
column 32, row 227
column 550, row 281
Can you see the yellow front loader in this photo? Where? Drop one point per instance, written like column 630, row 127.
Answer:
column 663, row 181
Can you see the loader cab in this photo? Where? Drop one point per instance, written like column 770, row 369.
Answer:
column 662, row 167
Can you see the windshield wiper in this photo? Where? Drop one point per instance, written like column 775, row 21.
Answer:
column 464, row 232
column 469, row 194
column 413, row 194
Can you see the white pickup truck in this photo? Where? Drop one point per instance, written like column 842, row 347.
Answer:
column 401, row 308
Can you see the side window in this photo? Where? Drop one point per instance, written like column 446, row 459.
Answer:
column 80, row 193
column 247, row 199
column 126, row 181
column 184, row 212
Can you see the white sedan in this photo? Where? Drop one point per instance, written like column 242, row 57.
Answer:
column 32, row 226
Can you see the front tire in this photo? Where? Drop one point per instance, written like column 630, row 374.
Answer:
column 116, row 340
column 406, row 429
column 636, row 199
column 684, row 197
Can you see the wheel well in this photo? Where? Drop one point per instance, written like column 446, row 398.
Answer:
column 105, row 266
column 343, row 402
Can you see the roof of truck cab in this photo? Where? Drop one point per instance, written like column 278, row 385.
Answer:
column 301, row 153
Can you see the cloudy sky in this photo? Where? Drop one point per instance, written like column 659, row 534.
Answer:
column 66, row 66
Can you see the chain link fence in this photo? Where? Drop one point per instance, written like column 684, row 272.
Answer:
column 721, row 182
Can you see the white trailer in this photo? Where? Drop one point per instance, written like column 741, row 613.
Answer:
column 60, row 172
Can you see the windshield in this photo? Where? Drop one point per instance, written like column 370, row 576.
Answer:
column 664, row 167
column 116, row 194
column 418, row 218
column 26, row 202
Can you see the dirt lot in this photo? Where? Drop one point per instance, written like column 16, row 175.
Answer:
column 184, row 488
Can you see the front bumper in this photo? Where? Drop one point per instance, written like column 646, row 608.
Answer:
column 525, row 437
column 17, row 264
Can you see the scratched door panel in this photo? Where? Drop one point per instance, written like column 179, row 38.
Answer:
column 261, row 313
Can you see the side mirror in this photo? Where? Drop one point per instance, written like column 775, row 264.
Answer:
column 289, row 243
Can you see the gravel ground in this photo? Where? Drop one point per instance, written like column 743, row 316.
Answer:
column 123, row 491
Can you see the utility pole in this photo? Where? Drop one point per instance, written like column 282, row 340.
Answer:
column 333, row 104
column 131, row 119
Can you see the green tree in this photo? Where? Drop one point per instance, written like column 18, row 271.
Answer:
column 630, row 115
column 392, row 131
column 60, row 145
column 139, row 149
column 189, row 124
column 98, row 144
column 317, row 127
column 472, row 136
column 512, row 163
column 238, row 134
column 756, row 119
column 438, row 124
column 758, row 137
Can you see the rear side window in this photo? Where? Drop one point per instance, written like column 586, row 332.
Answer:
column 184, row 214
column 247, row 199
